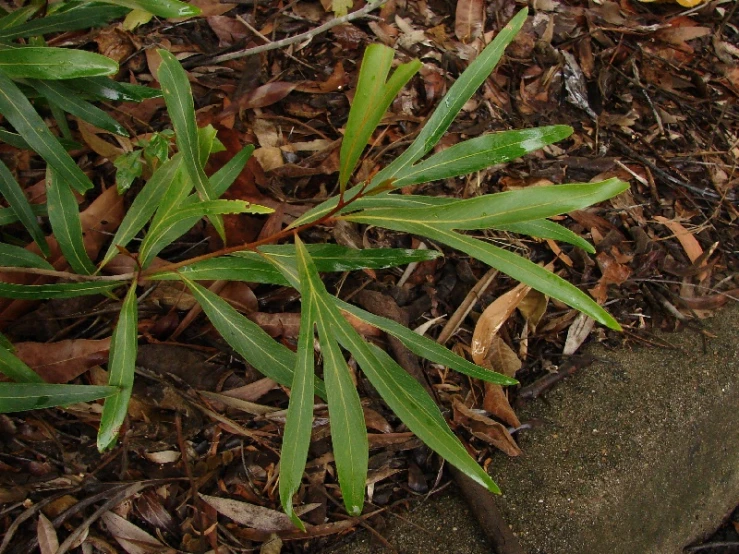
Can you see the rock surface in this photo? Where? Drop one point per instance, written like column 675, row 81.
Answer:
column 639, row 454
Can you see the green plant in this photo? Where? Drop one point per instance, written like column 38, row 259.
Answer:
column 178, row 194
column 63, row 81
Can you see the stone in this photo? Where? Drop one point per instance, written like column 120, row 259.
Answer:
column 640, row 451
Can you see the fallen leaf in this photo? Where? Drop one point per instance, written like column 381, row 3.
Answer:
column 62, row 361
column 496, row 403
column 469, row 20
column 687, row 240
column 48, row 542
column 251, row 515
column 533, row 306
column 484, row 428
column 577, row 333
column 492, row 319
column 133, row 539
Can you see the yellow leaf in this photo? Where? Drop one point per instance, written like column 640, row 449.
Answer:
column 341, row 7
column 136, row 18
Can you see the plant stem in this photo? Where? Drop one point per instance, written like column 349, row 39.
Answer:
column 287, row 232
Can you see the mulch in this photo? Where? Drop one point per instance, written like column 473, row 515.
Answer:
column 651, row 92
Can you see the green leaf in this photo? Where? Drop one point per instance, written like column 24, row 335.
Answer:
column 121, row 368
column 156, row 149
column 20, row 257
column 21, row 115
column 251, row 267
column 296, row 439
column 67, row 99
column 57, row 290
column 371, row 100
column 459, row 93
column 83, row 17
column 104, row 88
column 14, row 368
column 175, row 223
column 45, row 62
column 479, row 153
column 145, row 204
column 64, row 217
column 424, row 347
column 8, row 216
column 403, row 394
column 160, row 8
column 247, row 338
column 545, row 229
column 491, row 210
column 181, row 109
column 129, row 167
column 520, row 269
column 17, row 17
column 17, row 141
column 208, row 143
column 18, row 397
column 348, row 430
column 21, row 207
column 412, row 404
column 224, row 177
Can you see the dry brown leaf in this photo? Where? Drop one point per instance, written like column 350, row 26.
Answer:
column 612, row 273
column 48, row 542
column 533, row 307
column 240, row 296
column 375, row 421
column 485, row 428
column 62, row 361
column 149, row 506
column 253, row 391
column 577, row 333
column 492, row 319
column 228, row 29
column 285, row 324
column 251, row 515
column 496, row 403
column 502, row 358
column 687, row 240
column 469, row 20
column 132, row 538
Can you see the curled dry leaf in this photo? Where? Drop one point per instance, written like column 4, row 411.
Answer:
column 503, row 359
column 133, row 539
column 484, row 428
column 532, row 308
column 62, row 361
column 151, row 510
column 687, row 240
column 492, row 319
column 612, row 273
column 577, row 333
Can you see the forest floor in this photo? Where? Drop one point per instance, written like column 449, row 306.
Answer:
column 651, row 92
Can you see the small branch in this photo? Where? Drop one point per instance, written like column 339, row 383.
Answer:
column 287, row 232
column 308, row 35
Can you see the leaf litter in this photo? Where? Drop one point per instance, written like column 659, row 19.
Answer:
column 650, row 93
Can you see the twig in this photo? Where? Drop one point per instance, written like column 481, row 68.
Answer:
column 665, row 176
column 466, row 306
column 308, row 35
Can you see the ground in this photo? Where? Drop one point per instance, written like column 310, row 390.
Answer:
column 650, row 90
